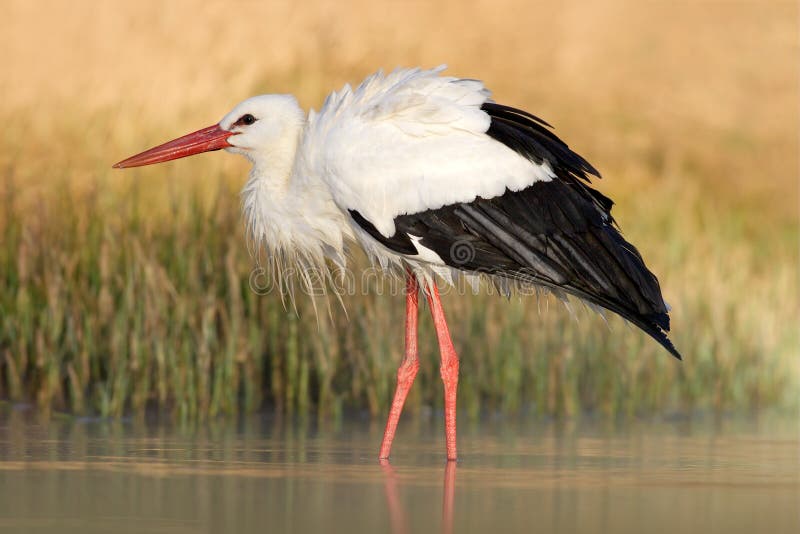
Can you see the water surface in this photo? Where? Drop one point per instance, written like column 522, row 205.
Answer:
column 262, row 474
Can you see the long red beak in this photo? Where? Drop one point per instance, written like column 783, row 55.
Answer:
column 205, row 140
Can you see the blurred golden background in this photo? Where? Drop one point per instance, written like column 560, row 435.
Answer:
column 121, row 291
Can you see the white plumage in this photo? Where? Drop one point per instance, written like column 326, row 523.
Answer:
column 409, row 142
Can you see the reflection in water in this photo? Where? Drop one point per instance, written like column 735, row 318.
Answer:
column 449, row 497
column 70, row 475
column 397, row 513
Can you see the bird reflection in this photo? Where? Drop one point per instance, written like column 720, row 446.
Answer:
column 448, row 497
column 397, row 514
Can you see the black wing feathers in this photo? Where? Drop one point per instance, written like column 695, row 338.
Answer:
column 527, row 135
column 533, row 133
column 556, row 234
column 399, row 242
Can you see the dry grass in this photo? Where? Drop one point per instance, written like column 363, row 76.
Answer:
column 120, row 291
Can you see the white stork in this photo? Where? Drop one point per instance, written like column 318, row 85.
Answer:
column 417, row 168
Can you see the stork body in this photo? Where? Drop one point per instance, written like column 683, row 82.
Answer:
column 434, row 180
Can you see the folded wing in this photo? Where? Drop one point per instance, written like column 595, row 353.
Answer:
column 432, row 170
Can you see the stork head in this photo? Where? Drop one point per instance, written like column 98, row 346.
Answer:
column 258, row 128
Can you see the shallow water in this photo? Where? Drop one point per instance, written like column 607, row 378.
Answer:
column 515, row 475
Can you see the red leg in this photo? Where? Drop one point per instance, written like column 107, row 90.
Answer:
column 448, row 369
column 408, row 367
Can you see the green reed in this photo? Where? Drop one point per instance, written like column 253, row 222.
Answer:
column 107, row 308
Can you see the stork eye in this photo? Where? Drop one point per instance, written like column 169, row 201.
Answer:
column 247, row 120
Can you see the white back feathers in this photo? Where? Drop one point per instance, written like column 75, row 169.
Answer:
column 411, row 141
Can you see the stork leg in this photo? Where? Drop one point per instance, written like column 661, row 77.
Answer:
column 408, row 367
column 448, row 368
